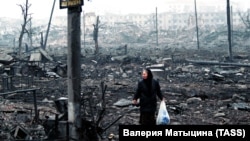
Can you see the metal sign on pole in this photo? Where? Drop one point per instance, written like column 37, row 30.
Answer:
column 70, row 3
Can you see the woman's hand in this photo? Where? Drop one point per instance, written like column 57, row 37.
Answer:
column 134, row 102
column 163, row 99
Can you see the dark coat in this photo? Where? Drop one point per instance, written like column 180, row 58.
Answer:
column 148, row 96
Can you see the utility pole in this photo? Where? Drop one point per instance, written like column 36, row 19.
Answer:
column 229, row 30
column 73, row 67
column 232, row 25
column 47, row 32
column 197, row 28
column 84, row 27
column 74, row 76
column 156, row 26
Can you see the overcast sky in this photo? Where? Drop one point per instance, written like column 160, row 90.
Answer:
column 42, row 8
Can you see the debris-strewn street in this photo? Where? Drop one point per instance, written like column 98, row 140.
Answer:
column 198, row 90
column 80, row 84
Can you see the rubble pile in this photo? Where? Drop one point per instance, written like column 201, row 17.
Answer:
column 196, row 93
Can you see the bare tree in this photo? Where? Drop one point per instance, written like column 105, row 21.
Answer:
column 245, row 18
column 26, row 19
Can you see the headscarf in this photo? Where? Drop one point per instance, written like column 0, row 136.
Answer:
column 150, row 74
column 149, row 79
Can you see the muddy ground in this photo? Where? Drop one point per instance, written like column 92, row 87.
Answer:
column 196, row 93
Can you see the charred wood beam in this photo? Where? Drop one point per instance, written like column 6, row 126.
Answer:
column 117, row 119
column 19, row 91
column 201, row 62
column 103, row 104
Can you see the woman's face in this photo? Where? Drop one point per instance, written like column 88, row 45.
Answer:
column 144, row 74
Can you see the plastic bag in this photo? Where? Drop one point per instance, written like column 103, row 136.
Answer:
column 163, row 116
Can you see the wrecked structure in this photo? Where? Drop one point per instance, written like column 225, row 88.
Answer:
column 196, row 92
column 34, row 99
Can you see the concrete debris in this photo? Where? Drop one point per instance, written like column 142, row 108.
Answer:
column 194, row 93
column 123, row 102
